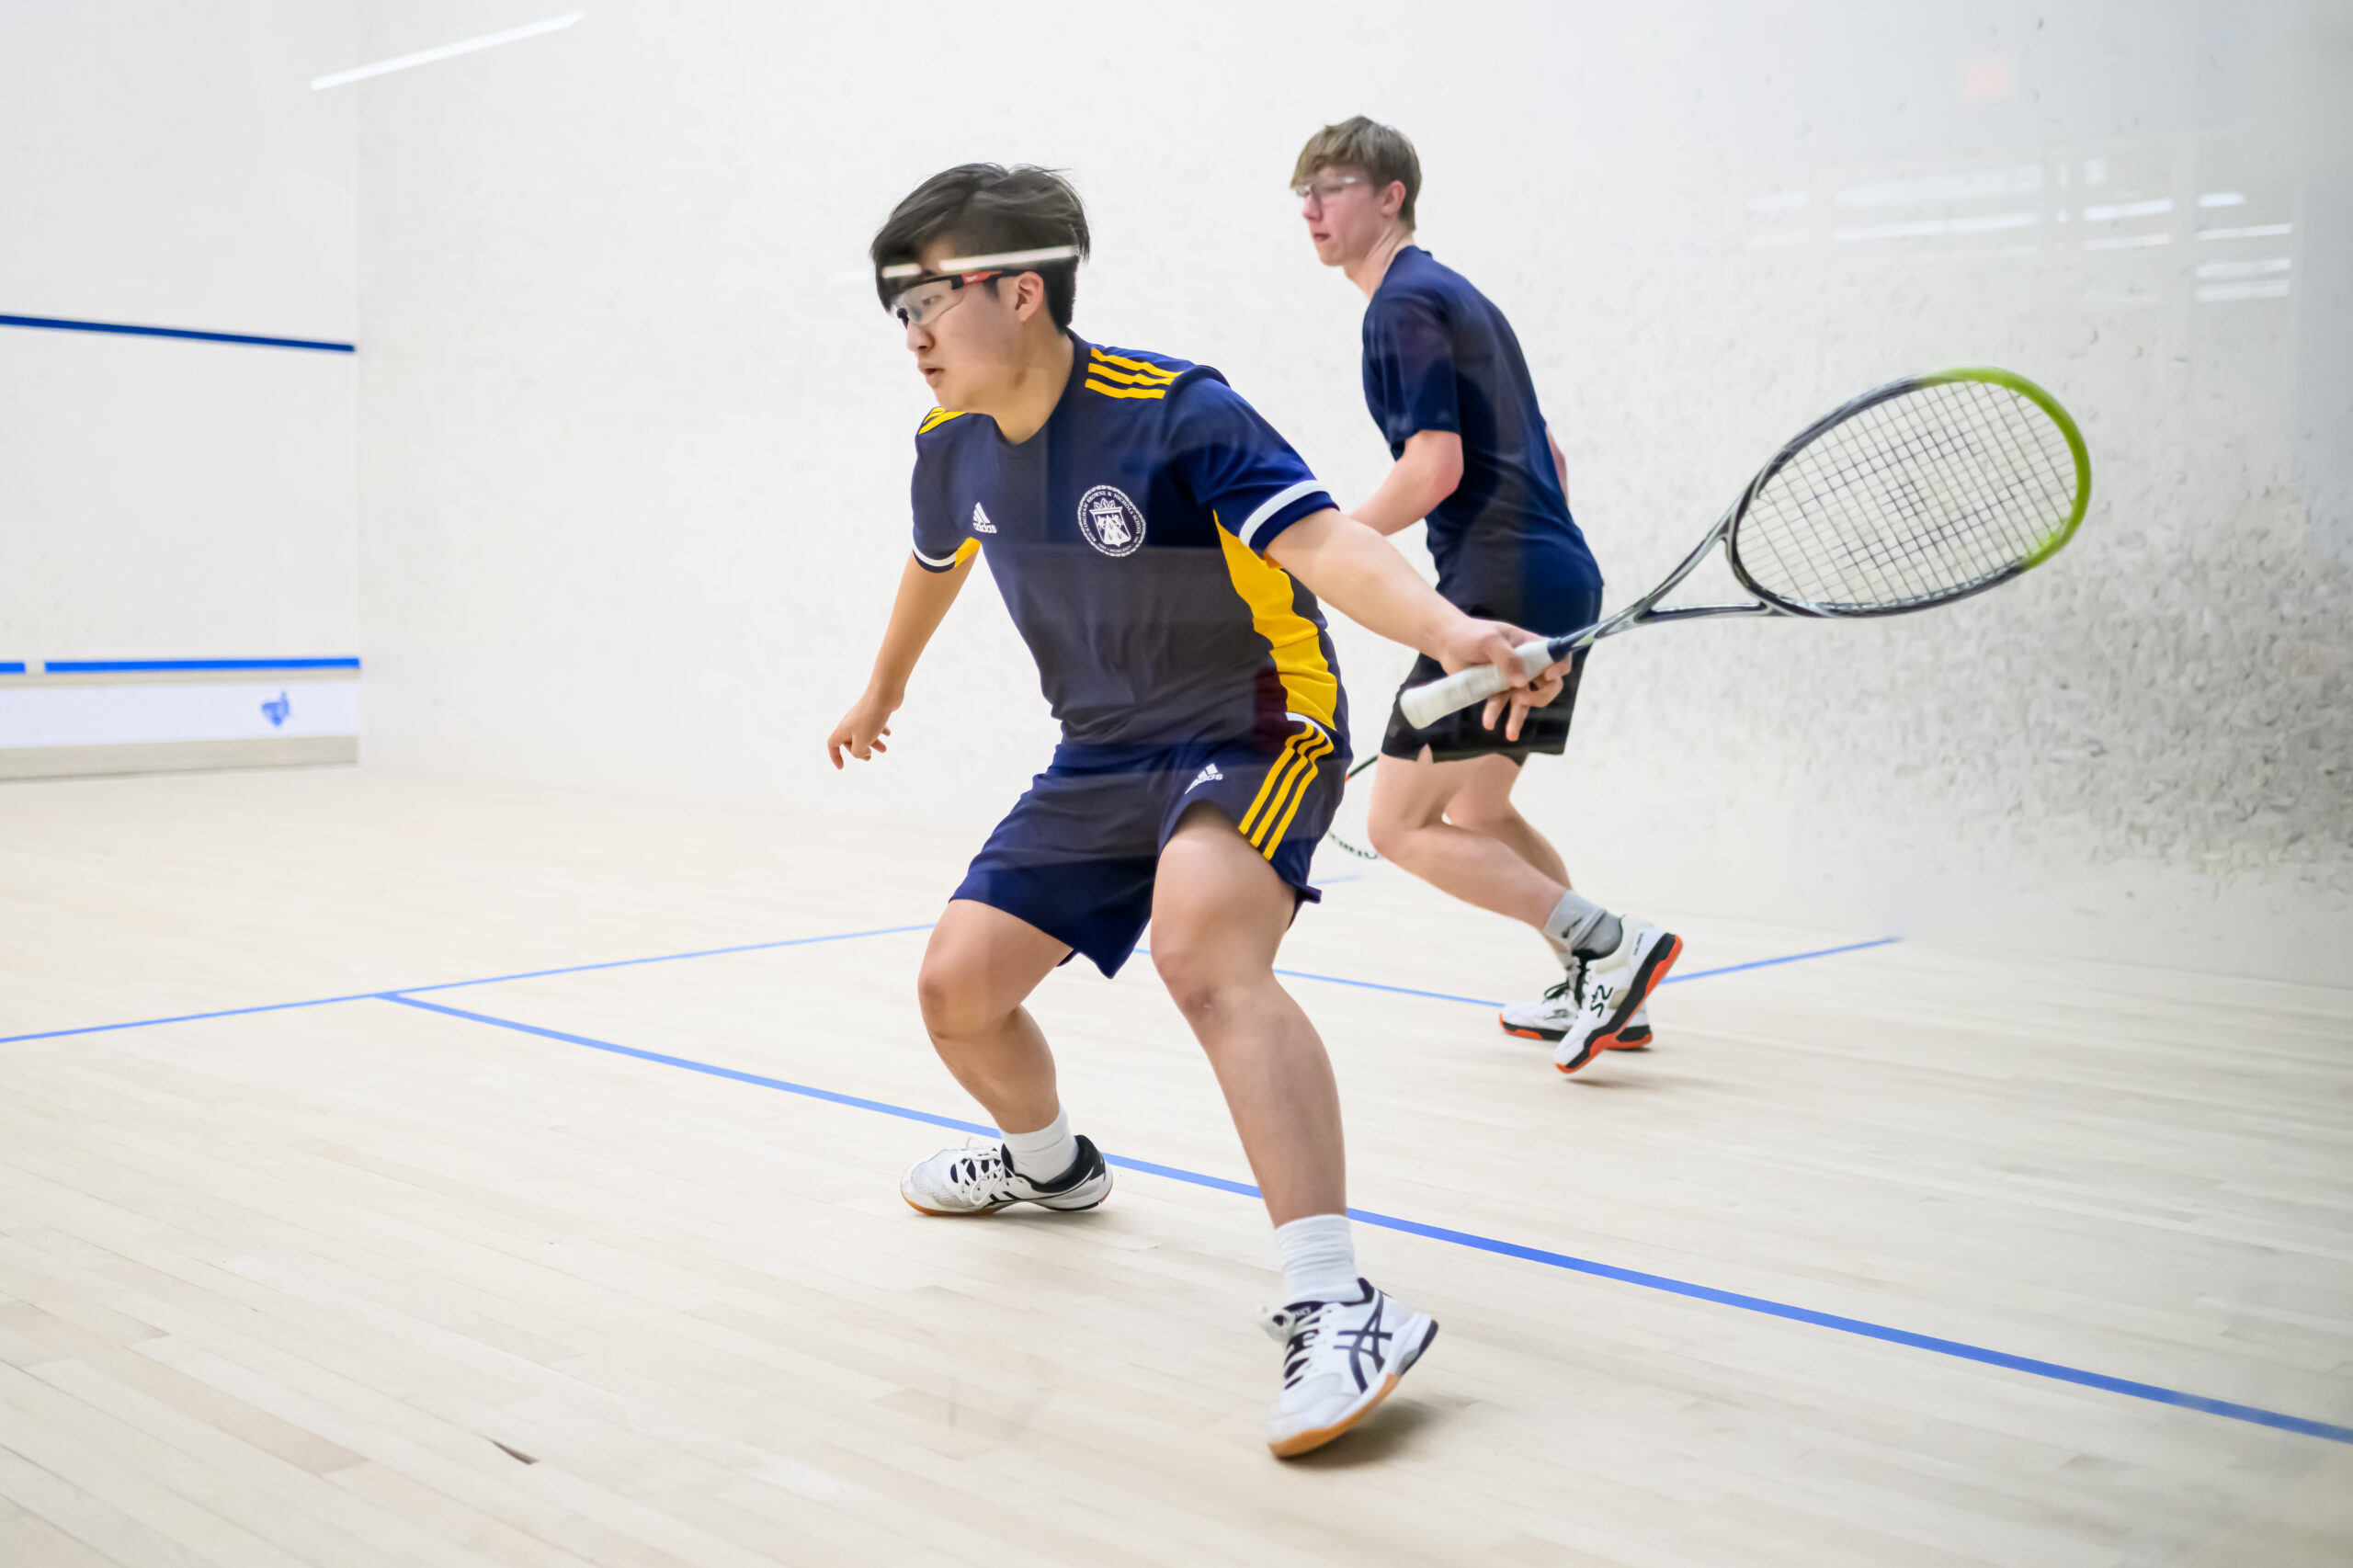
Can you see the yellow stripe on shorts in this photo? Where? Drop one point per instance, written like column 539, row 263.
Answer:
column 1268, row 837
column 1282, row 762
column 1299, row 796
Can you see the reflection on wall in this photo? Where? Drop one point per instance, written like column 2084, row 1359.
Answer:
column 635, row 467
column 2177, row 686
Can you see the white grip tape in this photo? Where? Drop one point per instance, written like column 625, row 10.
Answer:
column 1425, row 705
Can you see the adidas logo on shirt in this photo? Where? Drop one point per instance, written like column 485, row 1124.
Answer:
column 980, row 524
column 1209, row 775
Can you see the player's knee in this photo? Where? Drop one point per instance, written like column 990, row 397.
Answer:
column 1196, row 984
column 1392, row 837
column 954, row 1000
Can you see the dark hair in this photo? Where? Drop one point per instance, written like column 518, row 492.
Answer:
column 984, row 209
column 1380, row 151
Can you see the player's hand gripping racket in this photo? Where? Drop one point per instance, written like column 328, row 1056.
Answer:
column 1917, row 494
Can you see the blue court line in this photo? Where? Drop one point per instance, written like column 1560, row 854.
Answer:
column 691, row 1065
column 1670, row 980
column 59, row 324
column 2054, row 1371
column 110, row 667
column 12, row 667
column 798, row 942
column 460, row 985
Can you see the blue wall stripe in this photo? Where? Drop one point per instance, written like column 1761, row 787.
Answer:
column 2057, row 1372
column 12, row 667
column 58, row 324
column 117, row 667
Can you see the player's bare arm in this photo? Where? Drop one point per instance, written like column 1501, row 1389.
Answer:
column 1426, row 475
column 1357, row 571
column 922, row 603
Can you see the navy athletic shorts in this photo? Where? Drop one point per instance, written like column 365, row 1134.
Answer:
column 1077, row 855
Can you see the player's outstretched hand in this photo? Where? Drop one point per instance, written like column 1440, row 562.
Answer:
column 862, row 728
column 1493, row 642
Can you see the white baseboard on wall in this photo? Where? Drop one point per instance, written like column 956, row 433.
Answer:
column 77, row 719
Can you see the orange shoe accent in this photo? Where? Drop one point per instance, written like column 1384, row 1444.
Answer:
column 1657, row 977
column 951, row 1213
column 1308, row 1441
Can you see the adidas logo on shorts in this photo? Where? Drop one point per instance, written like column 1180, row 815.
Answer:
column 980, row 524
column 1209, row 775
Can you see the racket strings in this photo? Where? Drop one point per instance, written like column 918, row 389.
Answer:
column 1923, row 496
column 1917, row 507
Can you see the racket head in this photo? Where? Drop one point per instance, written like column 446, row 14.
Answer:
column 1919, row 492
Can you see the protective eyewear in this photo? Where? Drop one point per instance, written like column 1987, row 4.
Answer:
column 924, row 302
column 1326, row 188
column 927, row 296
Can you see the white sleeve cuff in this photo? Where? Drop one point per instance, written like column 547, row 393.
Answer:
column 1276, row 503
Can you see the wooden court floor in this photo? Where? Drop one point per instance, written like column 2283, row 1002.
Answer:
column 1894, row 1255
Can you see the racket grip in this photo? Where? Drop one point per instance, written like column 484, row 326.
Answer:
column 1425, row 705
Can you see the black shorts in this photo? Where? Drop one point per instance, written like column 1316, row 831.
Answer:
column 1079, row 854
column 1459, row 736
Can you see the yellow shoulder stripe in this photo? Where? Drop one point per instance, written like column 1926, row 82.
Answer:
column 1156, row 372
column 938, row 417
column 1135, row 380
column 1109, row 390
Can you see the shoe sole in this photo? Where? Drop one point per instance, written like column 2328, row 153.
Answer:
column 1307, row 1442
column 1634, row 1038
column 999, row 1207
column 1646, row 979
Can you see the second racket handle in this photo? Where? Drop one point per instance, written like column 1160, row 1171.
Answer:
column 1425, row 705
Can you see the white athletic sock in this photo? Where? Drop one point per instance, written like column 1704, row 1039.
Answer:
column 1581, row 926
column 1319, row 1259
column 1046, row 1153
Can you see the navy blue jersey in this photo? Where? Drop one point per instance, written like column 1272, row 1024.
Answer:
column 1128, row 536
column 1438, row 356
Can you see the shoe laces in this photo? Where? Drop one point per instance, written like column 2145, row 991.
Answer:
column 1572, row 984
column 983, row 1164
column 1298, row 1327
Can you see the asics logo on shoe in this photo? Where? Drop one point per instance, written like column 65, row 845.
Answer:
column 1365, row 1342
column 980, row 524
column 1209, row 775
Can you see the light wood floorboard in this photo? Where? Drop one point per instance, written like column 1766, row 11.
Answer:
column 300, row 1286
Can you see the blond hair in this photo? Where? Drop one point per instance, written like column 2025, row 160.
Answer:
column 1380, row 151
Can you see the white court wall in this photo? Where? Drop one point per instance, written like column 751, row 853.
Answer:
column 636, row 436
column 167, row 165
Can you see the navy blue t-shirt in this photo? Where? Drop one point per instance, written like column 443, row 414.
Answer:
column 1128, row 536
column 1439, row 356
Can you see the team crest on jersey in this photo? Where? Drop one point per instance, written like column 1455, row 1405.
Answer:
column 1112, row 522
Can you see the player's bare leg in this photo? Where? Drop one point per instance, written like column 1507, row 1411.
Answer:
column 1452, row 824
column 982, row 964
column 1483, row 804
column 979, row 968
column 1218, row 913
